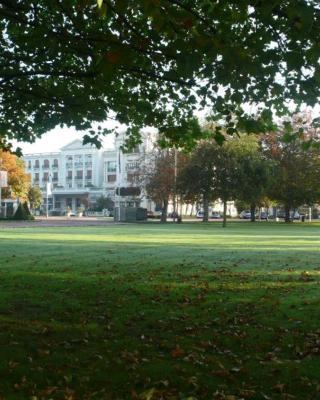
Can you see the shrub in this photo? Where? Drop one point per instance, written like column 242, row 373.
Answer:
column 23, row 212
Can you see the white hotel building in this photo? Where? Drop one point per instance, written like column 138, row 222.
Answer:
column 79, row 174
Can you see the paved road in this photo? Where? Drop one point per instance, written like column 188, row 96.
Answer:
column 58, row 221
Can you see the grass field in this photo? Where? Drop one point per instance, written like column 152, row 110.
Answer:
column 188, row 311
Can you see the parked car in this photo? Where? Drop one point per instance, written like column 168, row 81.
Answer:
column 150, row 214
column 212, row 214
column 293, row 215
column 157, row 214
column 245, row 214
column 200, row 214
column 107, row 212
column 154, row 214
column 173, row 214
column 215, row 215
column 264, row 215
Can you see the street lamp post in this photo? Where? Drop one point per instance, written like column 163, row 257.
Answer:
column 175, row 184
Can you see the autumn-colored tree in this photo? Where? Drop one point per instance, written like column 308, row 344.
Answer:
column 18, row 179
column 157, row 175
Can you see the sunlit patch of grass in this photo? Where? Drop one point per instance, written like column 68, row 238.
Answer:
column 167, row 311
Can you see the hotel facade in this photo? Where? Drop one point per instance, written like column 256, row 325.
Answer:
column 77, row 175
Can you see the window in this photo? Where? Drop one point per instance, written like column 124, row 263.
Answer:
column 55, row 163
column 79, row 175
column 89, row 174
column 130, row 177
column 69, row 176
column 36, row 164
column 45, row 176
column 55, row 176
column 36, row 177
column 111, row 166
column 29, row 164
column 112, row 178
column 46, row 164
column 88, row 160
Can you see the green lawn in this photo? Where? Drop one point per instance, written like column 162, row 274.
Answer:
column 188, row 311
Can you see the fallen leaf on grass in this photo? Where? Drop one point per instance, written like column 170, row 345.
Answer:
column 177, row 352
column 279, row 387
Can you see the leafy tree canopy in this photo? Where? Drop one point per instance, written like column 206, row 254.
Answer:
column 150, row 62
column 297, row 170
column 103, row 203
column 35, row 197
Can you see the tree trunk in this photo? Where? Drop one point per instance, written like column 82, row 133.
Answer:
column 287, row 213
column 224, row 223
column 164, row 212
column 253, row 212
column 205, row 209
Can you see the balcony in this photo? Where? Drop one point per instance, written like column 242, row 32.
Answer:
column 78, row 165
column 132, row 166
column 44, row 166
column 36, row 167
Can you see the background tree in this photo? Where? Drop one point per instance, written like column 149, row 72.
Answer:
column 160, row 180
column 18, row 179
column 35, row 197
column 297, row 171
column 104, row 202
column 211, row 173
column 147, row 62
column 23, row 212
column 226, row 175
column 254, row 172
column 195, row 179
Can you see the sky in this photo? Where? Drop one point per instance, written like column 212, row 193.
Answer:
column 53, row 140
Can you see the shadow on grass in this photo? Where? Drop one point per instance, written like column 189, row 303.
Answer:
column 109, row 318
